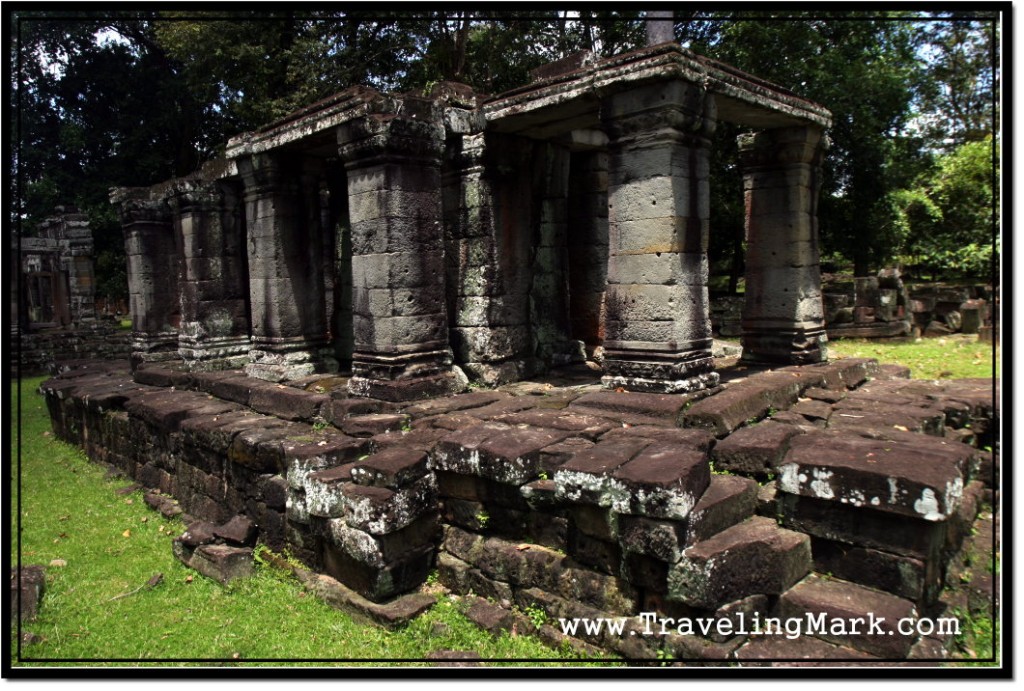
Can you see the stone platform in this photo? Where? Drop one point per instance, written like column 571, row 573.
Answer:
column 841, row 490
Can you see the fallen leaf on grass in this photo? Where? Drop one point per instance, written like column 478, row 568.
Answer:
column 126, row 533
column 188, row 578
column 58, row 562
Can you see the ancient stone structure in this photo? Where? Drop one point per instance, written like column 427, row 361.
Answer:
column 413, row 238
column 408, row 239
column 57, row 273
column 53, row 298
column 838, row 490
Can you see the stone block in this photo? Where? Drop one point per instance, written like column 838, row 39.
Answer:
column 862, row 526
column 659, row 539
column 380, row 511
column 914, row 579
column 603, row 555
column 728, row 500
column 743, row 402
column 665, row 408
column 779, row 647
column 753, row 557
column 381, row 550
column 286, row 402
column 587, row 426
column 867, row 619
column 28, row 584
column 662, row 481
column 919, row 480
column 309, row 453
column 754, row 449
column 379, row 583
column 393, row 468
column 586, row 477
column 223, row 563
column 554, row 456
column 240, row 530
column 374, row 423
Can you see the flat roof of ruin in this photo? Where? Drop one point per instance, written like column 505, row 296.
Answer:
column 562, row 102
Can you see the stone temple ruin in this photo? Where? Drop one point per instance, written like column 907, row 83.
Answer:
column 307, row 310
column 398, row 235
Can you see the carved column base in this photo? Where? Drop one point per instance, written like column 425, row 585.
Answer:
column 283, row 359
column 405, row 376
column 781, row 346
column 658, row 372
column 154, row 347
column 214, row 354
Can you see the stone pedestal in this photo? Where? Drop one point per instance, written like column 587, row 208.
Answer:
column 657, row 330
column 399, row 322
column 214, row 324
column 289, row 329
column 153, row 270
column 783, row 318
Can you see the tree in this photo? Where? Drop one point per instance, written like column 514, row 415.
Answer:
column 947, row 220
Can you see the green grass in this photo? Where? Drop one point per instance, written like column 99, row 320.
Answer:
column 113, row 544
column 953, row 357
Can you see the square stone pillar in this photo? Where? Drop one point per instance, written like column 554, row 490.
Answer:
column 658, row 328
column 783, row 316
column 588, row 246
column 399, row 319
column 214, row 331
column 489, row 220
column 549, row 286
column 289, row 327
column 153, row 264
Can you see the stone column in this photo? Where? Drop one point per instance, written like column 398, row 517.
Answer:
column 289, row 330
column 549, row 289
column 399, row 320
column 588, row 246
column 214, row 321
column 489, row 218
column 657, row 329
column 153, row 269
column 783, row 317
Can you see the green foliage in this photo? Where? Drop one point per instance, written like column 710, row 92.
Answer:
column 537, row 616
column 947, row 219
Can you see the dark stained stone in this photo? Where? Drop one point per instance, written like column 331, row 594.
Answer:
column 240, row 530
column 28, row 584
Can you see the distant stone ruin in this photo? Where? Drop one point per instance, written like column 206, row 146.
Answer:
column 54, row 298
column 405, row 236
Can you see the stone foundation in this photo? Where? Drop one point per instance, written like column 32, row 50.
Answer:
column 838, row 488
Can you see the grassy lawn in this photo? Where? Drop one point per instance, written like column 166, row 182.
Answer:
column 954, row 357
column 111, row 544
